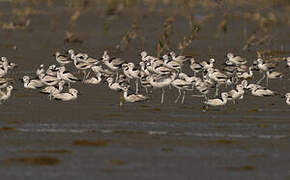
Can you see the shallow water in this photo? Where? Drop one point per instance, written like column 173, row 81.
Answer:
column 93, row 137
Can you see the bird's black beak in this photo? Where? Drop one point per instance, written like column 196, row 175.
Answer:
column 283, row 96
column 13, row 82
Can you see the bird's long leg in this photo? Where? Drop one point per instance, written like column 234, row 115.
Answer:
column 137, row 87
column 84, row 78
column 205, row 108
column 183, row 97
column 121, row 98
column 217, row 90
column 117, row 76
column 258, row 82
column 267, row 81
column 197, row 95
column 146, row 90
column 88, row 74
column 179, row 94
column 162, row 96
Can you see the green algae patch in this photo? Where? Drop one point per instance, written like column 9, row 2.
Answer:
column 226, row 141
column 116, row 162
column 167, row 149
column 15, row 122
column 144, row 106
column 242, row 168
column 96, row 143
column 262, row 125
column 257, row 156
column 107, row 170
column 51, row 151
column 114, row 115
column 155, row 109
column 34, row 161
column 8, row 129
column 253, row 110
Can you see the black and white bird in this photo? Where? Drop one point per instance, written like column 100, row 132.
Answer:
column 5, row 95
column 32, row 83
column 133, row 97
column 218, row 101
column 237, row 60
column 72, row 94
column 62, row 59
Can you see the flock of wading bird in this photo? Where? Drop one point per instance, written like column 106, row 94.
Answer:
column 166, row 72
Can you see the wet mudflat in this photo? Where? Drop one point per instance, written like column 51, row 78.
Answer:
column 93, row 137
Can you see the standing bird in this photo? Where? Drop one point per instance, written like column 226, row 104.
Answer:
column 116, row 86
column 273, row 75
column 161, row 82
column 202, row 87
column 51, row 71
column 263, row 67
column 207, row 64
column 194, row 66
column 83, row 67
column 181, row 86
column 288, row 62
column 48, row 80
column 237, row 60
column 237, row 93
column 77, row 56
column 179, row 59
column 40, row 70
column 217, row 77
column 51, row 90
column 246, row 75
column 4, row 67
column 94, row 80
column 4, row 82
column 5, row 95
column 68, row 77
column 171, row 64
column 287, row 96
column 115, row 64
column 134, row 73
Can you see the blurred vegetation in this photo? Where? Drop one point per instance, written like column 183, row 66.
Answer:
column 265, row 14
